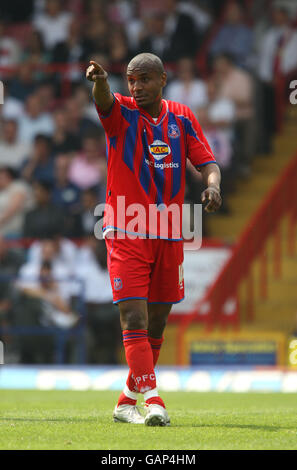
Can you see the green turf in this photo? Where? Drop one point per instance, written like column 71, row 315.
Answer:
column 82, row 420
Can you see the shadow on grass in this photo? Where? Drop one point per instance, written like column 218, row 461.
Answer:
column 239, row 426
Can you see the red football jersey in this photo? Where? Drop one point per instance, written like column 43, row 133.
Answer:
column 147, row 165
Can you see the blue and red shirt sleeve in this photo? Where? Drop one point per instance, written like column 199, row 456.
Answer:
column 112, row 121
column 198, row 150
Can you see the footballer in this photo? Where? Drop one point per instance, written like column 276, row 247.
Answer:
column 149, row 140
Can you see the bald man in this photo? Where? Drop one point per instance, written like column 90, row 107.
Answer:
column 149, row 140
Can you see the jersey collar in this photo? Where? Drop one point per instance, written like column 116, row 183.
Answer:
column 160, row 117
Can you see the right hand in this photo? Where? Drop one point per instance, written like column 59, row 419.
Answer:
column 95, row 72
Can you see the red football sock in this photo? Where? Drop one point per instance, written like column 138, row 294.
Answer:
column 125, row 400
column 155, row 401
column 140, row 359
column 156, row 344
column 131, row 383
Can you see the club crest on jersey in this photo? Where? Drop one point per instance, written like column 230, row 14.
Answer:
column 173, row 131
column 117, row 282
column 159, row 149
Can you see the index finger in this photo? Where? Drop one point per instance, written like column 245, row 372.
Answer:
column 97, row 66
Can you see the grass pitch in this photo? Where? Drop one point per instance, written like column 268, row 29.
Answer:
column 83, row 420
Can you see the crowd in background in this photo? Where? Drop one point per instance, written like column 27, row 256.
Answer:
column 52, row 145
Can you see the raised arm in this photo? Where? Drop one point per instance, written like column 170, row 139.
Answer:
column 101, row 91
column 211, row 176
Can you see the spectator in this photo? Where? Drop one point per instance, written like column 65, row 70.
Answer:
column 201, row 16
column 184, row 38
column 10, row 262
column 15, row 199
column 57, row 309
column 119, row 11
column 60, row 251
column 35, row 52
column 234, row 37
column 77, row 124
column 23, row 84
column 63, row 140
column 82, row 96
column 89, row 167
column 53, row 24
column 156, row 39
column 119, row 53
column 102, row 317
column 44, row 219
column 96, row 36
column 40, row 165
column 12, row 152
column 11, row 108
column 237, row 85
column 187, row 88
column 66, row 196
column 96, row 10
column 71, row 50
column 179, row 16
column 171, row 34
column 277, row 54
column 45, row 300
column 9, row 49
column 46, row 94
column 89, row 202
column 34, row 121
column 217, row 120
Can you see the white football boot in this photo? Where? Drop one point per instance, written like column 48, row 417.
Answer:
column 156, row 416
column 127, row 414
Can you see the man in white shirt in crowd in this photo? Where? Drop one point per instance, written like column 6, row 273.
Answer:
column 9, row 49
column 237, row 85
column 15, row 199
column 34, row 121
column 277, row 56
column 13, row 152
column 53, row 24
column 187, row 88
column 278, row 49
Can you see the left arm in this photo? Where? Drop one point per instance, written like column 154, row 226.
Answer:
column 211, row 177
column 201, row 156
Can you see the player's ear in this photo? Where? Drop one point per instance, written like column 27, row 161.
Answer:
column 164, row 79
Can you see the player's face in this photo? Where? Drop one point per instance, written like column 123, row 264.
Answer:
column 146, row 86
